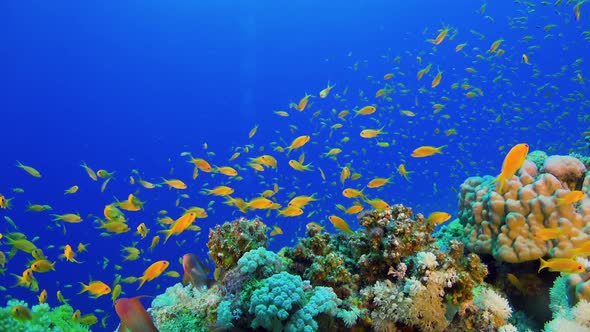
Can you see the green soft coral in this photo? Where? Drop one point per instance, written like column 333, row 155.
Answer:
column 44, row 319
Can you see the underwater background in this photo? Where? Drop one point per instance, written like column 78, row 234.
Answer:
column 129, row 87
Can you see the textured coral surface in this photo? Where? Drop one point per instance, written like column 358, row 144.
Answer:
column 504, row 224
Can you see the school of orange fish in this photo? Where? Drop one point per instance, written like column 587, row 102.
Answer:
column 387, row 121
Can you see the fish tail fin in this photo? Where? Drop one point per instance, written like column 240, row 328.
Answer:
column 19, row 280
column 543, row 264
column 502, row 181
column 442, row 147
column 168, row 234
column 141, row 283
column 84, row 287
column 186, row 279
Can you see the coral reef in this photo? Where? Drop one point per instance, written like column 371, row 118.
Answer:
column 566, row 316
column 389, row 275
column 43, row 319
column 185, row 308
column 504, row 224
column 228, row 242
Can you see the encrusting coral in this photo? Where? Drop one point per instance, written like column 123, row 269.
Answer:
column 504, row 224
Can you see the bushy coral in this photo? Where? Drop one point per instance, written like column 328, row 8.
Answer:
column 228, row 242
column 388, row 274
column 185, row 308
column 44, row 319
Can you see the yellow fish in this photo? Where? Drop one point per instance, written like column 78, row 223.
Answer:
column 95, row 288
column 571, row 197
column 427, row 151
column 153, row 271
column 28, row 169
column 340, row 224
column 512, row 163
column 71, row 190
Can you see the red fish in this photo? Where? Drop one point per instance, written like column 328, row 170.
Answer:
column 133, row 315
column 195, row 271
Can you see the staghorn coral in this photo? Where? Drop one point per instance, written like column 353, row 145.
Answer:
column 504, row 224
column 228, row 242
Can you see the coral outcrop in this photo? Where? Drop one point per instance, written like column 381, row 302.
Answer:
column 504, row 224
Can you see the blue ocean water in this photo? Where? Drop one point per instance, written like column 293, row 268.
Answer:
column 130, row 85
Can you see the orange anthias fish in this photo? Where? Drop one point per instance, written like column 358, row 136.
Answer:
column 401, row 169
column 133, row 315
column 324, row 93
column 298, row 142
column 180, row 225
column 175, row 183
column 436, row 80
column 441, row 36
column 340, row 224
column 564, row 265
column 512, row 162
column 372, row 133
column 153, row 271
column 547, row 234
column 571, row 197
column 427, row 151
column 95, row 288
column 438, row 217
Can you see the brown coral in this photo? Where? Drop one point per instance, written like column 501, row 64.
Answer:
column 228, row 242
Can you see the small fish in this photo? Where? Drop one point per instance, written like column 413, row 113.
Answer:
column 28, row 169
column 42, row 297
column 563, row 265
column 340, row 224
column 438, row 217
column 116, row 292
column 89, row 171
column 571, row 197
column 512, row 163
column 153, row 271
column 71, row 190
column 95, row 288
column 276, row 231
column 21, row 313
column 427, row 151
column 547, row 234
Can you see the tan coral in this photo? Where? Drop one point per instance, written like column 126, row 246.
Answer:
column 504, row 225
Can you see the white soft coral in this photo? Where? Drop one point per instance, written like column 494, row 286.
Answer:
column 493, row 302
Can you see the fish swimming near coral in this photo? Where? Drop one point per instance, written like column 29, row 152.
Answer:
column 133, row 315
column 512, row 163
column 195, row 271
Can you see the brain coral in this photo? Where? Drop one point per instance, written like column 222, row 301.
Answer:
column 504, row 224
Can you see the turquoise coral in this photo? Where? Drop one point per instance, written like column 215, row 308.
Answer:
column 44, row 319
